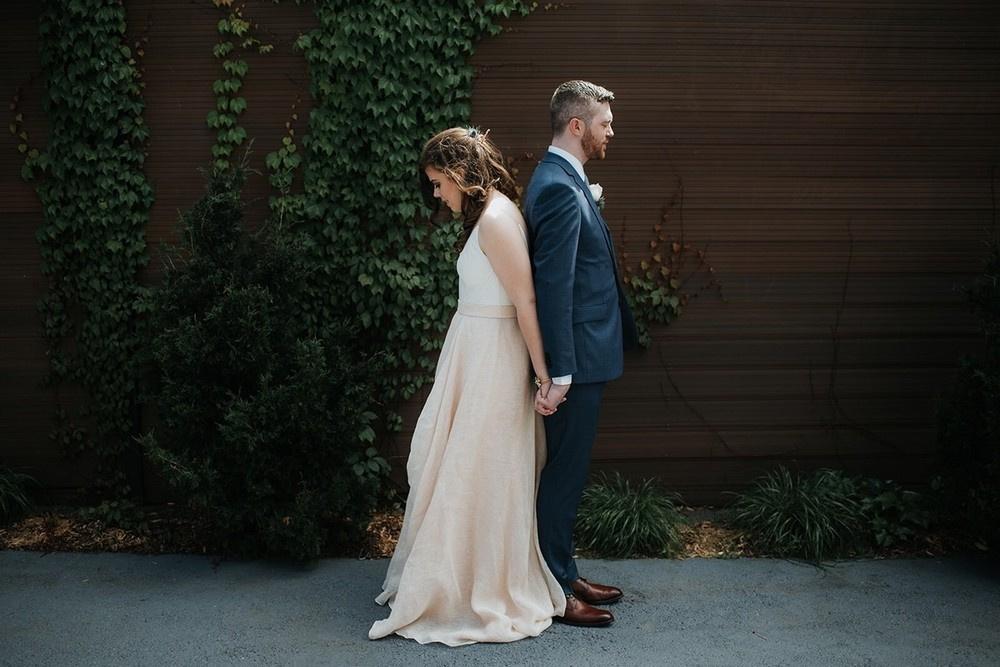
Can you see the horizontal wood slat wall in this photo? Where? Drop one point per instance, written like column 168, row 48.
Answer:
column 835, row 160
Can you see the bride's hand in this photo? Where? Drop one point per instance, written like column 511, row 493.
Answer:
column 540, row 406
column 547, row 402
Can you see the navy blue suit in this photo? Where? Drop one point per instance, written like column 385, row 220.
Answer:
column 585, row 323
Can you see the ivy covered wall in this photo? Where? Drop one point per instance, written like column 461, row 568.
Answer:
column 95, row 201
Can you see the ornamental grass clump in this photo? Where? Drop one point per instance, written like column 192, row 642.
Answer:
column 618, row 519
column 815, row 517
column 14, row 500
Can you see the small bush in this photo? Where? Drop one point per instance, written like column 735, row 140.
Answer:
column 619, row 520
column 969, row 418
column 14, row 500
column 814, row 517
column 891, row 514
column 121, row 513
column 265, row 423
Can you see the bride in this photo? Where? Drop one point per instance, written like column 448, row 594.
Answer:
column 468, row 567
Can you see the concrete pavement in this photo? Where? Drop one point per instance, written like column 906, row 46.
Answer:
column 124, row 609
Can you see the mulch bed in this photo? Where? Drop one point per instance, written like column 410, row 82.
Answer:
column 62, row 529
column 171, row 531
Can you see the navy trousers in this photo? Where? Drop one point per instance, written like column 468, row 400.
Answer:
column 569, row 435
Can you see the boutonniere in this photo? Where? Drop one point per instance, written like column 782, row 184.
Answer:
column 597, row 192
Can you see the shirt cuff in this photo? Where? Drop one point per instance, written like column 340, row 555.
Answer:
column 563, row 379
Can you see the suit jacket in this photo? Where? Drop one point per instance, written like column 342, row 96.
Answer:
column 583, row 315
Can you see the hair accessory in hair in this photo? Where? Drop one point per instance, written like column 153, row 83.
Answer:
column 475, row 133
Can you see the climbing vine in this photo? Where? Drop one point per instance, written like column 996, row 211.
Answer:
column 658, row 286
column 282, row 166
column 95, row 203
column 236, row 35
column 384, row 77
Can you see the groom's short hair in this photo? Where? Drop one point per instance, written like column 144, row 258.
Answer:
column 575, row 99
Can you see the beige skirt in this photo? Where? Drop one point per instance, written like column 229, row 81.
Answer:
column 467, row 567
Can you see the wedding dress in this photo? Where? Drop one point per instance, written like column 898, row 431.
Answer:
column 467, row 567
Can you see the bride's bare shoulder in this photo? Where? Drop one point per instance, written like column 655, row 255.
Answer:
column 501, row 214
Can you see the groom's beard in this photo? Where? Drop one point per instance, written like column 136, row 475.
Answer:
column 593, row 148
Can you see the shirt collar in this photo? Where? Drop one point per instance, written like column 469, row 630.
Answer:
column 572, row 159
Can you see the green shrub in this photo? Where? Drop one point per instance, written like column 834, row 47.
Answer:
column 969, row 418
column 619, row 520
column 814, row 517
column 14, row 500
column 120, row 513
column 890, row 513
column 265, row 424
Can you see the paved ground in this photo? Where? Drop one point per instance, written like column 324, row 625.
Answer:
column 121, row 609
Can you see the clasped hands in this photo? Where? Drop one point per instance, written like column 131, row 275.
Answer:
column 549, row 396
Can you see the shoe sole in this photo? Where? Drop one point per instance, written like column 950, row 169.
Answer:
column 598, row 603
column 601, row 624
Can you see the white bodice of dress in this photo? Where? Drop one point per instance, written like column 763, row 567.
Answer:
column 477, row 282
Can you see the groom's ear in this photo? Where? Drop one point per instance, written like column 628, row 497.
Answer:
column 576, row 127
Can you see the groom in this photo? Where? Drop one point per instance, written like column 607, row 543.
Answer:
column 585, row 324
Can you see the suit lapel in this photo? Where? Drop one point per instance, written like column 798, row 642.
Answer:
column 560, row 162
column 575, row 175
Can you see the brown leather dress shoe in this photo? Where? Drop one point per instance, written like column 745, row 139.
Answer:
column 579, row 612
column 595, row 593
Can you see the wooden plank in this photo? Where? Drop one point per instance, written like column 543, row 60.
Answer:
column 680, row 349
column 633, row 222
column 769, row 442
column 711, row 481
column 776, row 259
column 684, row 127
column 750, row 320
column 777, row 384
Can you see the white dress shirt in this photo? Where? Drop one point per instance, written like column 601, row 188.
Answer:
column 572, row 159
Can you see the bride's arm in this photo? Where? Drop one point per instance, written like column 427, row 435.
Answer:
column 500, row 239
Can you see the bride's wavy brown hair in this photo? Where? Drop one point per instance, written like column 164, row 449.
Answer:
column 467, row 156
